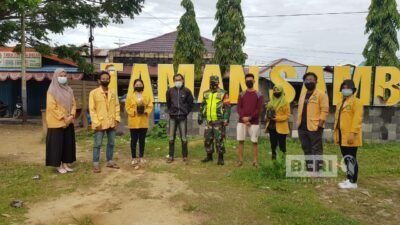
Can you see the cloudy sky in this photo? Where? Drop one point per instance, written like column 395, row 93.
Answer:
column 312, row 40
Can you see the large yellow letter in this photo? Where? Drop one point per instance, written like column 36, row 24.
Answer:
column 381, row 85
column 237, row 81
column 277, row 79
column 166, row 78
column 361, row 78
column 141, row 71
column 209, row 70
column 112, row 68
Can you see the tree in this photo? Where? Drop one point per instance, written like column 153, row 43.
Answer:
column 43, row 17
column 383, row 21
column 229, row 34
column 189, row 47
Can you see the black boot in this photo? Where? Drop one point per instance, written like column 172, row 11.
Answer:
column 208, row 158
column 220, row 159
column 171, row 149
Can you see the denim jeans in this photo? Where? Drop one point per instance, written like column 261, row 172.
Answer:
column 98, row 141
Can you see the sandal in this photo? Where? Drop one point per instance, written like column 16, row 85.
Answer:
column 239, row 163
column 255, row 164
column 96, row 169
column 61, row 170
column 113, row 166
column 170, row 160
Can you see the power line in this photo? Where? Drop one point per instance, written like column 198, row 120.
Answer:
column 263, row 16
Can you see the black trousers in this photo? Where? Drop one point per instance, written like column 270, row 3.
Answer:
column 60, row 146
column 311, row 143
column 277, row 139
column 350, row 159
column 138, row 135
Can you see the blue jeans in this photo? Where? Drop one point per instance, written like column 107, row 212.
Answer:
column 98, row 141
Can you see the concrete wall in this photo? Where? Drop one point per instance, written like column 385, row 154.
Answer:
column 379, row 123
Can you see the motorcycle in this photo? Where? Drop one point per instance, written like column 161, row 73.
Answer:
column 18, row 110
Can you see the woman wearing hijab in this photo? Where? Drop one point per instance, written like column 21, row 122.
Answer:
column 278, row 114
column 348, row 131
column 138, row 106
column 60, row 114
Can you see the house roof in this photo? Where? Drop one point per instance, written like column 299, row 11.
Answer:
column 161, row 44
column 299, row 67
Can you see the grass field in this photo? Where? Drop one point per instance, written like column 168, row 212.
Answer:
column 227, row 194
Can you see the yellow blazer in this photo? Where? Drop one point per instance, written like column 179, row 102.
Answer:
column 104, row 110
column 282, row 120
column 317, row 109
column 350, row 122
column 55, row 113
column 136, row 121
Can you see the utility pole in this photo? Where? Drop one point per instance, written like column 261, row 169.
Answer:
column 23, row 69
column 91, row 39
column 119, row 43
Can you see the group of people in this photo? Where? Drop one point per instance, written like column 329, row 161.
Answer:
column 215, row 112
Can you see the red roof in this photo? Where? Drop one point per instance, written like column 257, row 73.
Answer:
column 162, row 44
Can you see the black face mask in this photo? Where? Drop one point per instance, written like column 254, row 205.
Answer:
column 249, row 84
column 277, row 94
column 104, row 83
column 213, row 85
column 139, row 89
column 310, row 86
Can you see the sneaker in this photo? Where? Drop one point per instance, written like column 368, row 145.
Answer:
column 348, row 185
column 142, row 161
column 61, row 170
column 134, row 162
column 185, row 160
column 344, row 182
column 170, row 160
column 68, row 169
column 96, row 169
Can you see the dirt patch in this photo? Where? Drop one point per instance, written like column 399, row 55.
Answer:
column 123, row 197
column 23, row 143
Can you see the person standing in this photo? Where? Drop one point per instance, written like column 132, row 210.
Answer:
column 278, row 114
column 60, row 114
column 216, row 110
column 312, row 113
column 138, row 106
column 249, row 107
column 348, row 131
column 105, row 115
column 179, row 104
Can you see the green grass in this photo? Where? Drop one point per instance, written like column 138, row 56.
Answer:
column 231, row 195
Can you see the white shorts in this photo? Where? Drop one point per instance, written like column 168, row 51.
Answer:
column 253, row 131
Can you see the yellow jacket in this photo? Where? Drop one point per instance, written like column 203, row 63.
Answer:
column 136, row 121
column 282, row 120
column 350, row 122
column 317, row 109
column 55, row 113
column 104, row 110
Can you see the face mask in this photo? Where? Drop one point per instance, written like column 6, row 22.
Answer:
column 347, row 92
column 62, row 80
column 310, row 86
column 178, row 84
column 139, row 89
column 249, row 84
column 104, row 83
column 213, row 85
column 277, row 94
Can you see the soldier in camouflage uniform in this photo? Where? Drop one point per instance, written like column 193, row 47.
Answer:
column 216, row 110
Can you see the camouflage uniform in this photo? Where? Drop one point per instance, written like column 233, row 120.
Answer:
column 215, row 109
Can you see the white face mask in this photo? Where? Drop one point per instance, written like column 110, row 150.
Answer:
column 62, row 80
column 178, row 84
column 347, row 92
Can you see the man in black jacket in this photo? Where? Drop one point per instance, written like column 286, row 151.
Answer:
column 179, row 103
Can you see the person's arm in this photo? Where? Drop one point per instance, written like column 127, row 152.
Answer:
column 92, row 110
column 117, row 109
column 168, row 97
column 73, row 109
column 190, row 100
column 324, row 109
column 227, row 109
column 285, row 115
column 52, row 107
column 130, row 106
column 256, row 112
column 149, row 106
